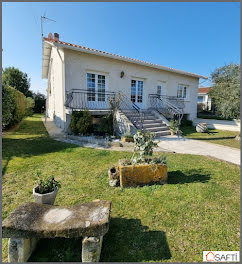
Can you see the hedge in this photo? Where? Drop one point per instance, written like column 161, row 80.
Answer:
column 13, row 106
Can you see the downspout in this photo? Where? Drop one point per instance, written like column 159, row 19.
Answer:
column 63, row 86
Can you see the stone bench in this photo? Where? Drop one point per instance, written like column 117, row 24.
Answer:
column 31, row 222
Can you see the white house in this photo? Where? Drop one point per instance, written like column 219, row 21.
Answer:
column 81, row 77
column 204, row 98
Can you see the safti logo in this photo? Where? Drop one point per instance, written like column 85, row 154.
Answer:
column 210, row 256
column 221, row 256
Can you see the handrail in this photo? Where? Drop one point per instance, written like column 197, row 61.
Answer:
column 132, row 111
column 163, row 105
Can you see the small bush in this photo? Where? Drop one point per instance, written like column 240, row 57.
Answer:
column 106, row 124
column 200, row 107
column 186, row 122
column 81, row 122
column 174, row 125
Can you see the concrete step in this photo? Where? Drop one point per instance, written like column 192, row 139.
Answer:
column 157, row 124
column 157, row 129
column 162, row 133
column 156, row 120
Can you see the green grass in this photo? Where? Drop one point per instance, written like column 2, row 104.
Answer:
column 221, row 137
column 199, row 208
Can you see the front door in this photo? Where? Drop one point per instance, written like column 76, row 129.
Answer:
column 137, row 87
column 96, row 86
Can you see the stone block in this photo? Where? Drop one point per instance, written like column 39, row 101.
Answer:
column 91, row 249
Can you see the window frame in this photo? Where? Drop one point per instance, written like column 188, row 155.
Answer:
column 181, row 91
column 100, row 92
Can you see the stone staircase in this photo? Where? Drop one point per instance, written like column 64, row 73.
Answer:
column 150, row 123
column 155, row 125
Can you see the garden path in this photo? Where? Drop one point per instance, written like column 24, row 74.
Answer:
column 166, row 144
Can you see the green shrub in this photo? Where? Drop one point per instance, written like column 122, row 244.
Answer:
column 29, row 106
column 106, row 124
column 13, row 106
column 8, row 106
column 186, row 122
column 81, row 122
column 20, row 106
column 174, row 125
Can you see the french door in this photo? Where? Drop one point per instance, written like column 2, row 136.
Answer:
column 137, row 87
column 96, row 86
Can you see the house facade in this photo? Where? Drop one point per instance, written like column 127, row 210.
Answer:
column 204, row 98
column 80, row 77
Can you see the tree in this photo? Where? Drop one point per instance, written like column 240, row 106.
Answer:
column 225, row 92
column 17, row 79
column 39, row 100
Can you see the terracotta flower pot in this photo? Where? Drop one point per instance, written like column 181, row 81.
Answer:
column 46, row 198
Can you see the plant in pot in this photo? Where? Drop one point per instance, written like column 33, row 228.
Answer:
column 142, row 169
column 174, row 128
column 127, row 137
column 46, row 190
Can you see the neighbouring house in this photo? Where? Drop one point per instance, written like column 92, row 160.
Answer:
column 84, row 78
column 204, row 99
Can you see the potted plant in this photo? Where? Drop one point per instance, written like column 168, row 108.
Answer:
column 142, row 169
column 127, row 137
column 173, row 127
column 46, row 190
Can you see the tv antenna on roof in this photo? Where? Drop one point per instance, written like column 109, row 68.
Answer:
column 42, row 20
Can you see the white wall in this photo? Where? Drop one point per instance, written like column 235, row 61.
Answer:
column 55, row 93
column 77, row 64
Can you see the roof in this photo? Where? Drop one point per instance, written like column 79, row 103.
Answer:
column 48, row 42
column 204, row 90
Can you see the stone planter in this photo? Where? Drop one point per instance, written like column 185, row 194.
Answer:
column 139, row 175
column 46, row 198
column 201, row 128
column 127, row 139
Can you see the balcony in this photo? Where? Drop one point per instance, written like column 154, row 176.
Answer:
column 78, row 99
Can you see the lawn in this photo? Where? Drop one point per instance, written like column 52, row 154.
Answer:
column 199, row 208
column 221, row 137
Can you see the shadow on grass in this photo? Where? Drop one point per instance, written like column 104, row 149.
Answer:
column 129, row 241
column 126, row 240
column 193, row 176
column 28, row 147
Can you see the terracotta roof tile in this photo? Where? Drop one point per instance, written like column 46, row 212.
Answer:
column 124, row 57
column 204, row 89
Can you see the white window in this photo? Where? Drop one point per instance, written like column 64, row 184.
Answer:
column 96, row 84
column 160, row 88
column 182, row 91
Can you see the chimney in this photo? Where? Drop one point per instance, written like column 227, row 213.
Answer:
column 56, row 36
column 50, row 36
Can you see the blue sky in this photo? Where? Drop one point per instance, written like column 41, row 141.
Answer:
column 194, row 37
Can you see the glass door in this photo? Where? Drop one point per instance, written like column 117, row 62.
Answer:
column 96, row 86
column 137, row 88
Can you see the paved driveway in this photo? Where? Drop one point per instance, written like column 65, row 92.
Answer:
column 197, row 147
